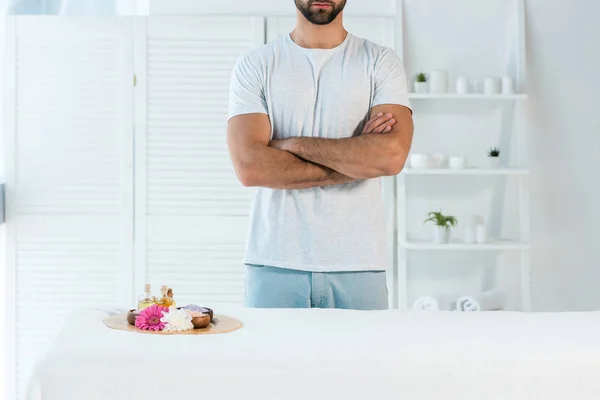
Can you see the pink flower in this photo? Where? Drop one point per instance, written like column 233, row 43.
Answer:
column 149, row 318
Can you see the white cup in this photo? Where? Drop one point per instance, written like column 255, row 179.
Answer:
column 438, row 82
column 481, row 234
column 491, row 86
column 462, row 85
column 507, row 85
column 470, row 234
column 419, row 161
column 457, row 162
column 436, row 160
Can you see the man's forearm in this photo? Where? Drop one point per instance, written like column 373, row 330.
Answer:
column 374, row 154
column 361, row 157
column 277, row 169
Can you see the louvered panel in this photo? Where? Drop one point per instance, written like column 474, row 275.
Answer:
column 71, row 182
column 199, row 257
column 203, row 273
column 188, row 81
column 195, row 211
column 69, row 119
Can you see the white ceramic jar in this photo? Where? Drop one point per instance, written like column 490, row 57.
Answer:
column 491, row 86
column 457, row 162
column 438, row 83
column 507, row 85
column 462, row 85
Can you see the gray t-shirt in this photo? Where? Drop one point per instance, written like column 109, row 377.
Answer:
column 325, row 93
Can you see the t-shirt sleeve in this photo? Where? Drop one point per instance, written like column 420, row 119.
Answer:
column 246, row 94
column 391, row 86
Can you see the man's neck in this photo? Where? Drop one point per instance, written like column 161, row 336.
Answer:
column 313, row 36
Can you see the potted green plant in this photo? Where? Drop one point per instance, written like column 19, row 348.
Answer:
column 494, row 157
column 441, row 226
column 421, row 85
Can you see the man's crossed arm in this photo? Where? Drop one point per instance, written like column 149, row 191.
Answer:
column 362, row 157
column 299, row 163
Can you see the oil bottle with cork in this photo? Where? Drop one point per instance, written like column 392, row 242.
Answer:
column 146, row 299
column 166, row 300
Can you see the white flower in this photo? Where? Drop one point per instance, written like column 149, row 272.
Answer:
column 177, row 320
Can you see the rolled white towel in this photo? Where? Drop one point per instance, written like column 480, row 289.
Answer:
column 426, row 303
column 493, row 300
column 430, row 303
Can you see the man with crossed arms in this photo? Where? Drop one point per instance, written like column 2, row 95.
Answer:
column 315, row 118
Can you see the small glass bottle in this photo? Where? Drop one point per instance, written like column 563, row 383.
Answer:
column 170, row 295
column 146, row 300
column 164, row 300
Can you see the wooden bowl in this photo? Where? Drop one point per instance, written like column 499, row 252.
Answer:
column 209, row 312
column 201, row 322
column 131, row 317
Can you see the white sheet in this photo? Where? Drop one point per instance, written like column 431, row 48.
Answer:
column 333, row 354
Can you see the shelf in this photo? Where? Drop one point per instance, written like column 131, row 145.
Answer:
column 457, row 245
column 465, row 171
column 471, row 96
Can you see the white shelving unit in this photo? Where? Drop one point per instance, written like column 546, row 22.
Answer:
column 518, row 172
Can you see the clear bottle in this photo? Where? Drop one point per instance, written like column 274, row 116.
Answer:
column 146, row 300
column 164, row 300
column 170, row 294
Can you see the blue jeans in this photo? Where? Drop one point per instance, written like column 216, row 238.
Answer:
column 272, row 287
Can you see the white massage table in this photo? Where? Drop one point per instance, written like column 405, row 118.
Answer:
column 332, row 354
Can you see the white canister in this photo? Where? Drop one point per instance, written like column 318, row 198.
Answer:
column 481, row 234
column 491, row 86
column 507, row 85
column 462, row 85
column 439, row 81
column 457, row 162
column 470, row 234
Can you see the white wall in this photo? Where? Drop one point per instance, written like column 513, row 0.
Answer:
column 564, row 65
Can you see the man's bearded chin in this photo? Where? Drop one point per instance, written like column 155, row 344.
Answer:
column 320, row 16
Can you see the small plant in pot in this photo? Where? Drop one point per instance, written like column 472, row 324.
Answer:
column 494, row 157
column 442, row 226
column 421, row 85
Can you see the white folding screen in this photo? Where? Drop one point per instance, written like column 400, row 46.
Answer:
column 191, row 211
column 70, row 174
